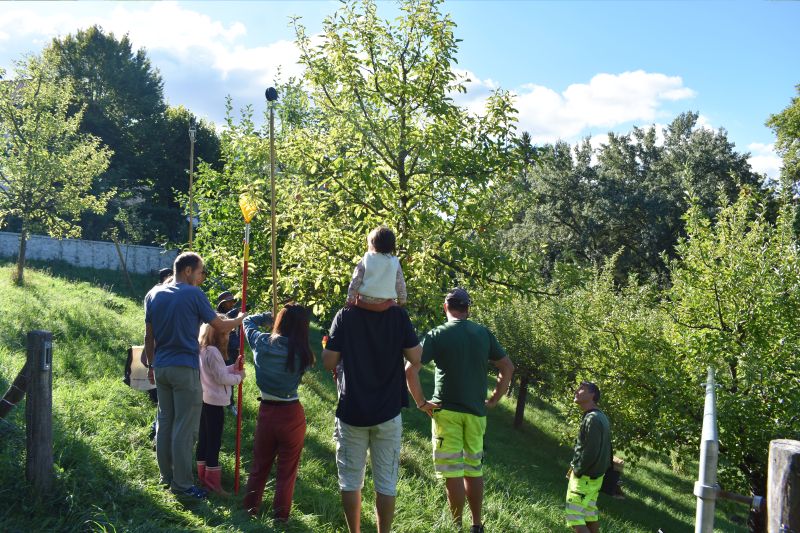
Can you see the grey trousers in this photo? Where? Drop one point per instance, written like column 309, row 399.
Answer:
column 180, row 401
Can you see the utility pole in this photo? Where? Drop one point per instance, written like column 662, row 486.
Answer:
column 192, row 134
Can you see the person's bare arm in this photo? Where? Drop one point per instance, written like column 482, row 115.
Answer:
column 413, row 383
column 225, row 325
column 413, row 365
column 330, row 359
column 505, row 370
column 413, row 355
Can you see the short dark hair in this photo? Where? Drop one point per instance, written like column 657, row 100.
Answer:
column 593, row 388
column 186, row 260
column 164, row 274
column 382, row 239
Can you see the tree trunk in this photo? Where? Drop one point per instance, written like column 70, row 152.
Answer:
column 23, row 241
column 522, row 397
column 124, row 265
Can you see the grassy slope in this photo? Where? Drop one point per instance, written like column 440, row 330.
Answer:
column 106, row 470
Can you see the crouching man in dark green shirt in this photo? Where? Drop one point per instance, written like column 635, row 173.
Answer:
column 590, row 461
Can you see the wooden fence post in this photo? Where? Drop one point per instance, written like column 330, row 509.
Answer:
column 39, row 411
column 783, row 487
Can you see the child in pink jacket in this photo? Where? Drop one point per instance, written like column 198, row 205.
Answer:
column 217, row 380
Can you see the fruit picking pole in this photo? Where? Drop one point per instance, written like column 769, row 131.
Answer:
column 241, row 353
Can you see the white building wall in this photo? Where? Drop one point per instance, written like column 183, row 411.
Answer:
column 92, row 254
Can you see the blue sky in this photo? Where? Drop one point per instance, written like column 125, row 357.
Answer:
column 577, row 68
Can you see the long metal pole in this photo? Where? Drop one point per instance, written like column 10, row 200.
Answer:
column 272, row 209
column 706, row 486
column 191, row 189
column 241, row 353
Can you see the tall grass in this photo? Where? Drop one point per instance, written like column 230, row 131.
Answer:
column 106, row 473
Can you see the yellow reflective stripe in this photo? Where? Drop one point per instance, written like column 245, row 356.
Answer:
column 446, row 455
column 575, row 507
column 474, row 468
column 591, row 504
column 473, row 456
column 590, row 513
column 574, row 518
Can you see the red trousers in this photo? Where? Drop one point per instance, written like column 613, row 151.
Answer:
column 280, row 430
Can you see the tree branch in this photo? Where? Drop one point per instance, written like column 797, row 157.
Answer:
column 690, row 326
column 472, row 275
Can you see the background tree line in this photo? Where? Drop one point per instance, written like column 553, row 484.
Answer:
column 115, row 96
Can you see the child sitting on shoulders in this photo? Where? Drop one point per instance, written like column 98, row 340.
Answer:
column 378, row 276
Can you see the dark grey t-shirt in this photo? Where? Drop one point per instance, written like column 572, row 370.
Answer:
column 176, row 312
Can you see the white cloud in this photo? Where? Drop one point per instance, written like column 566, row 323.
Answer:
column 193, row 51
column 167, row 29
column 764, row 160
column 598, row 140
column 478, row 91
column 704, row 123
column 606, row 101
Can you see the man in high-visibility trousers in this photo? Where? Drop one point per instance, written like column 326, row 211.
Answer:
column 462, row 351
column 590, row 461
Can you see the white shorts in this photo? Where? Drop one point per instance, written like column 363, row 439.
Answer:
column 383, row 443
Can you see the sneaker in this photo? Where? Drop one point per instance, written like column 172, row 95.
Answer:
column 476, row 529
column 194, row 492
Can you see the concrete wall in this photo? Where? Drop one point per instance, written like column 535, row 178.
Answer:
column 93, row 254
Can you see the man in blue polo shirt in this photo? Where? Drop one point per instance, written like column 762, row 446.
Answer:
column 173, row 314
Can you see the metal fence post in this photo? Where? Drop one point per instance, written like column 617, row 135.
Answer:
column 706, row 486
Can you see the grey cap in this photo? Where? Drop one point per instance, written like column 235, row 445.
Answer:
column 458, row 296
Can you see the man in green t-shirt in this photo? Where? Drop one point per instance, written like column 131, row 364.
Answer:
column 590, row 460
column 461, row 350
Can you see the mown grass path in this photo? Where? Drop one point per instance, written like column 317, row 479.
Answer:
column 106, row 470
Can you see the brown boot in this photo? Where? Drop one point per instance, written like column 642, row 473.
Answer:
column 214, row 480
column 201, row 473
